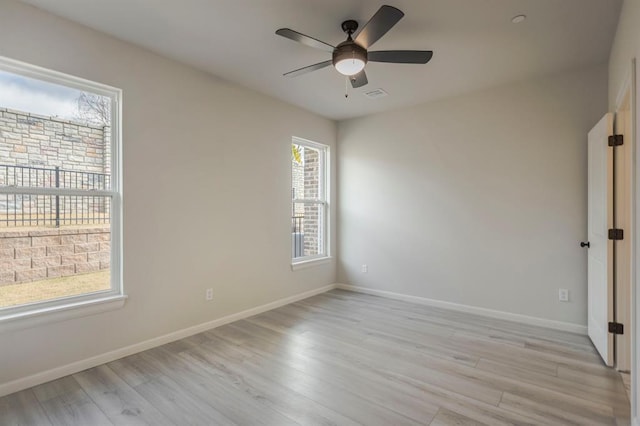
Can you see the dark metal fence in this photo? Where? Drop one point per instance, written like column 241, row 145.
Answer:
column 53, row 210
column 297, row 223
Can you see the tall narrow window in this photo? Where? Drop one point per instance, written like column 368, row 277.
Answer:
column 309, row 195
column 60, row 193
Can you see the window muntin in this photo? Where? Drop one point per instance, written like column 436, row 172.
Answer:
column 309, row 200
column 60, row 193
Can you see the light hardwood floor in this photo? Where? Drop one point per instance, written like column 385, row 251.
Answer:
column 342, row 358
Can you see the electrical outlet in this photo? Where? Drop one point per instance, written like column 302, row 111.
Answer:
column 365, row 268
column 563, row 295
column 209, row 294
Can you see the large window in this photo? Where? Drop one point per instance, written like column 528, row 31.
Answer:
column 309, row 205
column 60, row 194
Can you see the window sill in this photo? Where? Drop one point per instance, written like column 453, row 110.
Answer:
column 303, row 264
column 27, row 319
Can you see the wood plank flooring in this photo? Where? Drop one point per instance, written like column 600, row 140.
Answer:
column 342, row 358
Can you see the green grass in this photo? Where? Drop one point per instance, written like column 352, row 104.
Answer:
column 53, row 288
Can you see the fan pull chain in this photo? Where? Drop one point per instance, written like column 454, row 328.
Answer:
column 346, row 87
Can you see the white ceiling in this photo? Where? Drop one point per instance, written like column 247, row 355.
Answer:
column 474, row 42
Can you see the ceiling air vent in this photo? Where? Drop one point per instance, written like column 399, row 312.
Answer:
column 375, row 94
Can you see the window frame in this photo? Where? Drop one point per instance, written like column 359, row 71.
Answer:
column 115, row 295
column 323, row 200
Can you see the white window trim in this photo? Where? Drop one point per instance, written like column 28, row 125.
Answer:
column 308, row 263
column 41, row 312
column 319, row 259
column 47, row 315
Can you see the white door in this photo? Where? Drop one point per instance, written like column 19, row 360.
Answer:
column 600, row 219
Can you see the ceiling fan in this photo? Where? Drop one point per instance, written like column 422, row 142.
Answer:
column 350, row 56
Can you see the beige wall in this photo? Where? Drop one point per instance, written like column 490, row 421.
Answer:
column 626, row 47
column 478, row 200
column 218, row 215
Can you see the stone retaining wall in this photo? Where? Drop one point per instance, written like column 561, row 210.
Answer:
column 31, row 255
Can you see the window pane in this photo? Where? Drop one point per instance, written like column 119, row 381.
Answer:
column 52, row 135
column 56, row 140
column 307, row 232
column 53, row 247
column 306, row 173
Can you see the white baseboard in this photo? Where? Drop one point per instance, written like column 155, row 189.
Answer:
column 523, row 319
column 55, row 373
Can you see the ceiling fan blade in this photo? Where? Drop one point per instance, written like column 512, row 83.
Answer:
column 305, row 39
column 359, row 79
column 401, row 56
column 384, row 19
column 309, row 68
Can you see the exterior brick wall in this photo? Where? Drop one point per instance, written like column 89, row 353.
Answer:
column 311, row 189
column 38, row 141
column 31, row 255
column 305, row 184
column 297, row 178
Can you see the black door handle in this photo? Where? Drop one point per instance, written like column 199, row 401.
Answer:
column 583, row 244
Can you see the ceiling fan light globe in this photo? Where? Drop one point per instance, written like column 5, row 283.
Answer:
column 350, row 66
column 349, row 58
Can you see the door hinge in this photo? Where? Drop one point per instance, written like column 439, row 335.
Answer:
column 616, row 234
column 616, row 328
column 616, row 140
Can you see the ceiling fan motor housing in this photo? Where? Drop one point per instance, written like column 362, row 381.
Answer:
column 349, row 50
